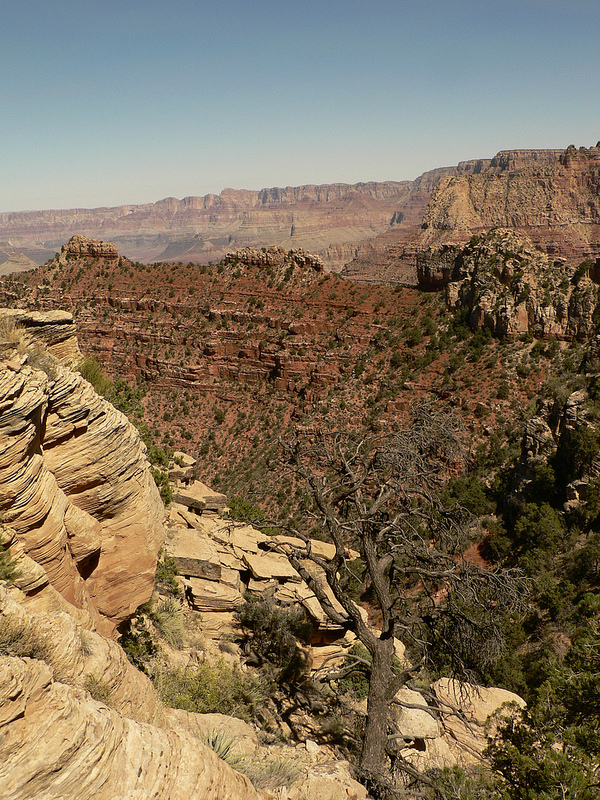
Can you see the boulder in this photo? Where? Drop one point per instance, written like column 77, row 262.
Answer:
column 194, row 555
column 413, row 722
column 329, row 781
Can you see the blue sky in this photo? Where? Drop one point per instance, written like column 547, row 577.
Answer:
column 107, row 103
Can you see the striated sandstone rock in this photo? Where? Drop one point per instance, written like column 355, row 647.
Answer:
column 76, row 488
column 54, row 331
column 212, row 595
column 90, row 750
column 75, row 653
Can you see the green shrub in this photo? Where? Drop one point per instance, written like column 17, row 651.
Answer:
column 98, row 688
column 8, row 568
column 93, row 373
column 166, row 570
column 211, row 688
column 243, row 510
column 138, row 645
column 161, row 479
column 356, row 682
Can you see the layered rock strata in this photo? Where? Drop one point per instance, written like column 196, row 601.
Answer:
column 204, row 229
column 220, row 561
column 554, row 202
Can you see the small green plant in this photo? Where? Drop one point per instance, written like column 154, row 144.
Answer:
column 98, row 688
column 8, row 568
column 21, row 637
column 166, row 570
column 167, row 618
column 93, row 373
column 223, row 745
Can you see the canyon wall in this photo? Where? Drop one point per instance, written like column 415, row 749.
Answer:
column 204, row 229
column 549, row 196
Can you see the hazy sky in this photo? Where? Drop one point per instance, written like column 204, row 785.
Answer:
column 106, row 102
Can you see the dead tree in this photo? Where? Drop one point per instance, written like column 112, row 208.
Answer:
column 382, row 495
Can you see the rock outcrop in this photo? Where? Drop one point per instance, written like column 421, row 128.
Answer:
column 90, row 750
column 75, row 485
column 220, row 561
column 81, row 247
column 511, row 287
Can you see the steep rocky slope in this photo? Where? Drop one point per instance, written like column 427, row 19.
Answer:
column 229, row 358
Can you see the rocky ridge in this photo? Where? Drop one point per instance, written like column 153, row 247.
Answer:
column 205, row 228
column 332, row 220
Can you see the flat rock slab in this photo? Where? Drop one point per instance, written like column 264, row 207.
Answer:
column 188, row 500
column 198, row 496
column 194, row 555
column 263, row 568
column 185, row 459
column 211, row 596
column 263, row 588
